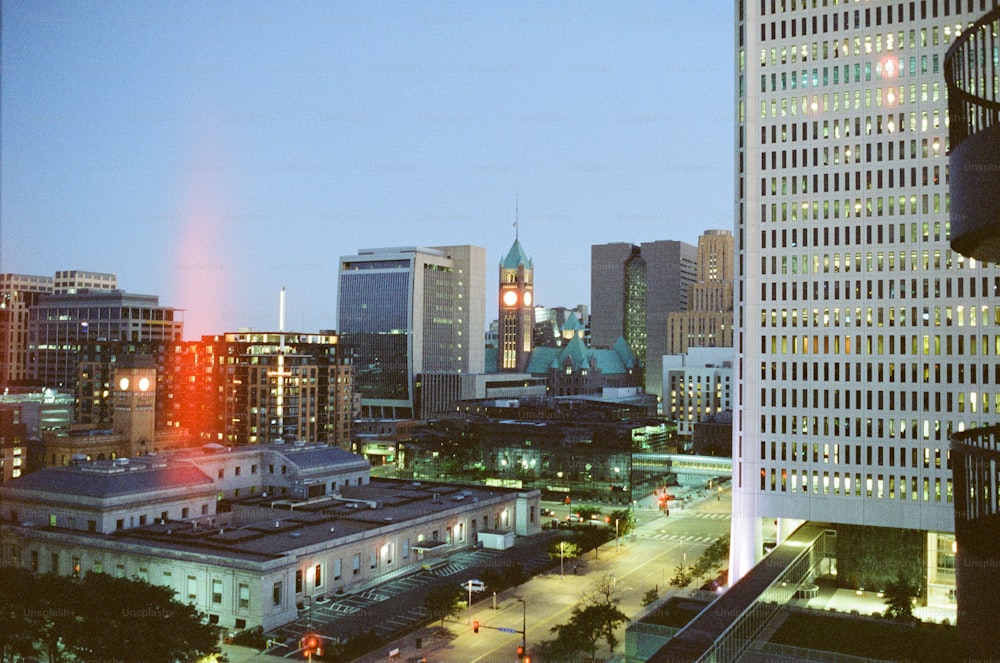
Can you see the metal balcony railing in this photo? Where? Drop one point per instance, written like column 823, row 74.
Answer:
column 972, row 74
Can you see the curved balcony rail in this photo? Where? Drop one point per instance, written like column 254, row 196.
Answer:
column 975, row 456
column 970, row 72
column 972, row 76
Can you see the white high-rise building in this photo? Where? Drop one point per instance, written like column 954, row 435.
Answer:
column 862, row 339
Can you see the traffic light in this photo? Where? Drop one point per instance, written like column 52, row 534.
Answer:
column 475, row 626
column 311, row 645
column 520, row 652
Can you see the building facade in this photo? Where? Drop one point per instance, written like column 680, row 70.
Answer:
column 633, row 291
column 18, row 293
column 411, row 310
column 708, row 321
column 59, row 325
column 517, row 313
column 252, row 387
column 699, row 385
column 863, row 340
column 247, row 535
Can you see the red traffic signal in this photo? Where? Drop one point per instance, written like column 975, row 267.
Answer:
column 520, row 652
column 475, row 626
column 311, row 644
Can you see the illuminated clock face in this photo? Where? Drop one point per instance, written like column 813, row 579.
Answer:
column 143, row 384
column 510, row 298
column 527, row 299
column 123, row 384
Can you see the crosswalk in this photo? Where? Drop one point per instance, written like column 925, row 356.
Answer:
column 701, row 516
column 684, row 538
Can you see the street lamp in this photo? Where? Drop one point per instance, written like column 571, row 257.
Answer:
column 470, row 600
column 524, row 625
column 561, row 558
column 616, row 536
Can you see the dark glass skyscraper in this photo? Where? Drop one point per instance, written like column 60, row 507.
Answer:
column 407, row 311
column 633, row 291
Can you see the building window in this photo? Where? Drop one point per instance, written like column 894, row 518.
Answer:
column 337, row 568
column 119, row 570
column 184, row 512
column 143, row 574
column 298, row 582
column 55, row 563
column 319, row 575
column 238, row 470
column 222, row 473
column 76, row 567
column 192, row 588
column 276, row 593
column 216, row 592
column 142, row 520
column 98, row 566
column 356, row 564
column 244, row 596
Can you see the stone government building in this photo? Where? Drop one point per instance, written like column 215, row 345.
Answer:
column 246, row 534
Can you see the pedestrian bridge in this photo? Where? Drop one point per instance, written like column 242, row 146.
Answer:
column 686, row 465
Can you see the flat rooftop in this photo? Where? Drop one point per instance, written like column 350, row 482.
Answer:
column 263, row 528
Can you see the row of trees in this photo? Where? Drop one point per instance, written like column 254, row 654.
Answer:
column 709, row 564
column 97, row 618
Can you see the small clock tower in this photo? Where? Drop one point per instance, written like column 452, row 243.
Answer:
column 517, row 312
column 134, row 402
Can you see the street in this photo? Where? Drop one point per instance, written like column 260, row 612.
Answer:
column 640, row 563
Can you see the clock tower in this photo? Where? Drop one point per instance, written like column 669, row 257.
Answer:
column 134, row 399
column 517, row 312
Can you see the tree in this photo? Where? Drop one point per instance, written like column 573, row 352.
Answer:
column 564, row 549
column 587, row 511
column 144, row 623
column 600, row 603
column 443, row 601
column 682, row 577
column 590, row 537
column 583, row 630
column 713, row 559
column 650, row 596
column 58, row 615
column 626, row 521
column 899, row 601
column 21, row 618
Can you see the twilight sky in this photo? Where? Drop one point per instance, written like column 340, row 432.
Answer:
column 211, row 153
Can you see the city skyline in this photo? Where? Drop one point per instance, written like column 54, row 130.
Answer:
column 171, row 148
